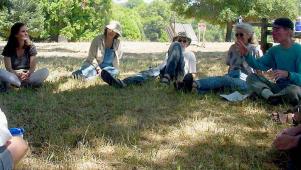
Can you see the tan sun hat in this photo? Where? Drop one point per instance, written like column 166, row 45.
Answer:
column 182, row 34
column 115, row 26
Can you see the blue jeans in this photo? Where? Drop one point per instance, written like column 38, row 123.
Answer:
column 88, row 70
column 142, row 76
column 175, row 62
column 222, row 82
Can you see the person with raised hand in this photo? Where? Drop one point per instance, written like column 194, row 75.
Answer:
column 238, row 69
column 284, row 60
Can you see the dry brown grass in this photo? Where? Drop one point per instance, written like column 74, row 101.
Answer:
column 88, row 125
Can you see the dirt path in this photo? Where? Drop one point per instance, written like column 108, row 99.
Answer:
column 80, row 49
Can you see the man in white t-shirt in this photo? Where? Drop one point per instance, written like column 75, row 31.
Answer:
column 177, row 63
column 12, row 149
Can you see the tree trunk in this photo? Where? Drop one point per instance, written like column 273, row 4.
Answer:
column 229, row 31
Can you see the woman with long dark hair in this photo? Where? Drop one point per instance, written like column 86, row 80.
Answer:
column 104, row 53
column 20, row 60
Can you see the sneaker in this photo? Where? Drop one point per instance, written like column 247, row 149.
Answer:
column 112, row 81
column 275, row 100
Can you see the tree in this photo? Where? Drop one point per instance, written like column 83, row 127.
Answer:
column 26, row 11
column 75, row 19
column 156, row 17
column 4, row 3
column 134, row 3
column 225, row 12
column 131, row 28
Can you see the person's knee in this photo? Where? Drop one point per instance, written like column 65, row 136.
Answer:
column 17, row 147
column 14, row 80
column 293, row 93
column 175, row 45
column 45, row 72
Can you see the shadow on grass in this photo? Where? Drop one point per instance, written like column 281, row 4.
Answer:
column 58, row 49
column 55, row 119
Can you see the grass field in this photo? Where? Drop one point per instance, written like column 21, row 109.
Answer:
column 72, row 124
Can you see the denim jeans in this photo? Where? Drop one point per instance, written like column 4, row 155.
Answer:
column 88, row 70
column 36, row 78
column 175, row 62
column 107, row 63
column 142, row 76
column 222, row 82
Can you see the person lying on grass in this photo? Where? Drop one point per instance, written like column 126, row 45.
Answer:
column 12, row 149
column 238, row 69
column 104, row 54
column 285, row 61
column 20, row 61
column 177, row 63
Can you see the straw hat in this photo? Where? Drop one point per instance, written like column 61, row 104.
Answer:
column 183, row 35
column 115, row 26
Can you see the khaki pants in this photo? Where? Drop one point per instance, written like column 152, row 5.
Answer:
column 291, row 93
column 35, row 79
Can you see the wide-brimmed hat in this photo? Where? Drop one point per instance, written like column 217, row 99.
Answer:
column 183, row 35
column 115, row 26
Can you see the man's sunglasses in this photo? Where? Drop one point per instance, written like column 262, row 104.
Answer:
column 184, row 41
column 239, row 34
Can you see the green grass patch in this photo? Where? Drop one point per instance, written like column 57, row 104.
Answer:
column 72, row 124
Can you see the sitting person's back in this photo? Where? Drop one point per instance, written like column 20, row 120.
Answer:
column 12, row 149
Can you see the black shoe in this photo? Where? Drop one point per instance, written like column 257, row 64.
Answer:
column 179, row 86
column 188, row 81
column 3, row 87
column 275, row 100
column 112, row 81
column 186, row 84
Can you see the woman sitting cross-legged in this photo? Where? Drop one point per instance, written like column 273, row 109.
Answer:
column 20, row 61
column 238, row 68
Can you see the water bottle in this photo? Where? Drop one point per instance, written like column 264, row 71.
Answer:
column 17, row 132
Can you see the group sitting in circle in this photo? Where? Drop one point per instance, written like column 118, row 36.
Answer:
column 244, row 59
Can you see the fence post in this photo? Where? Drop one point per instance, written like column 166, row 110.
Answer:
column 264, row 34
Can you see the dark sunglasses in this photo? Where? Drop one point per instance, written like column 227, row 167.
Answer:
column 239, row 34
column 184, row 41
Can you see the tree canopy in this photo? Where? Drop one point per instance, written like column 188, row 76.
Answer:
column 225, row 12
